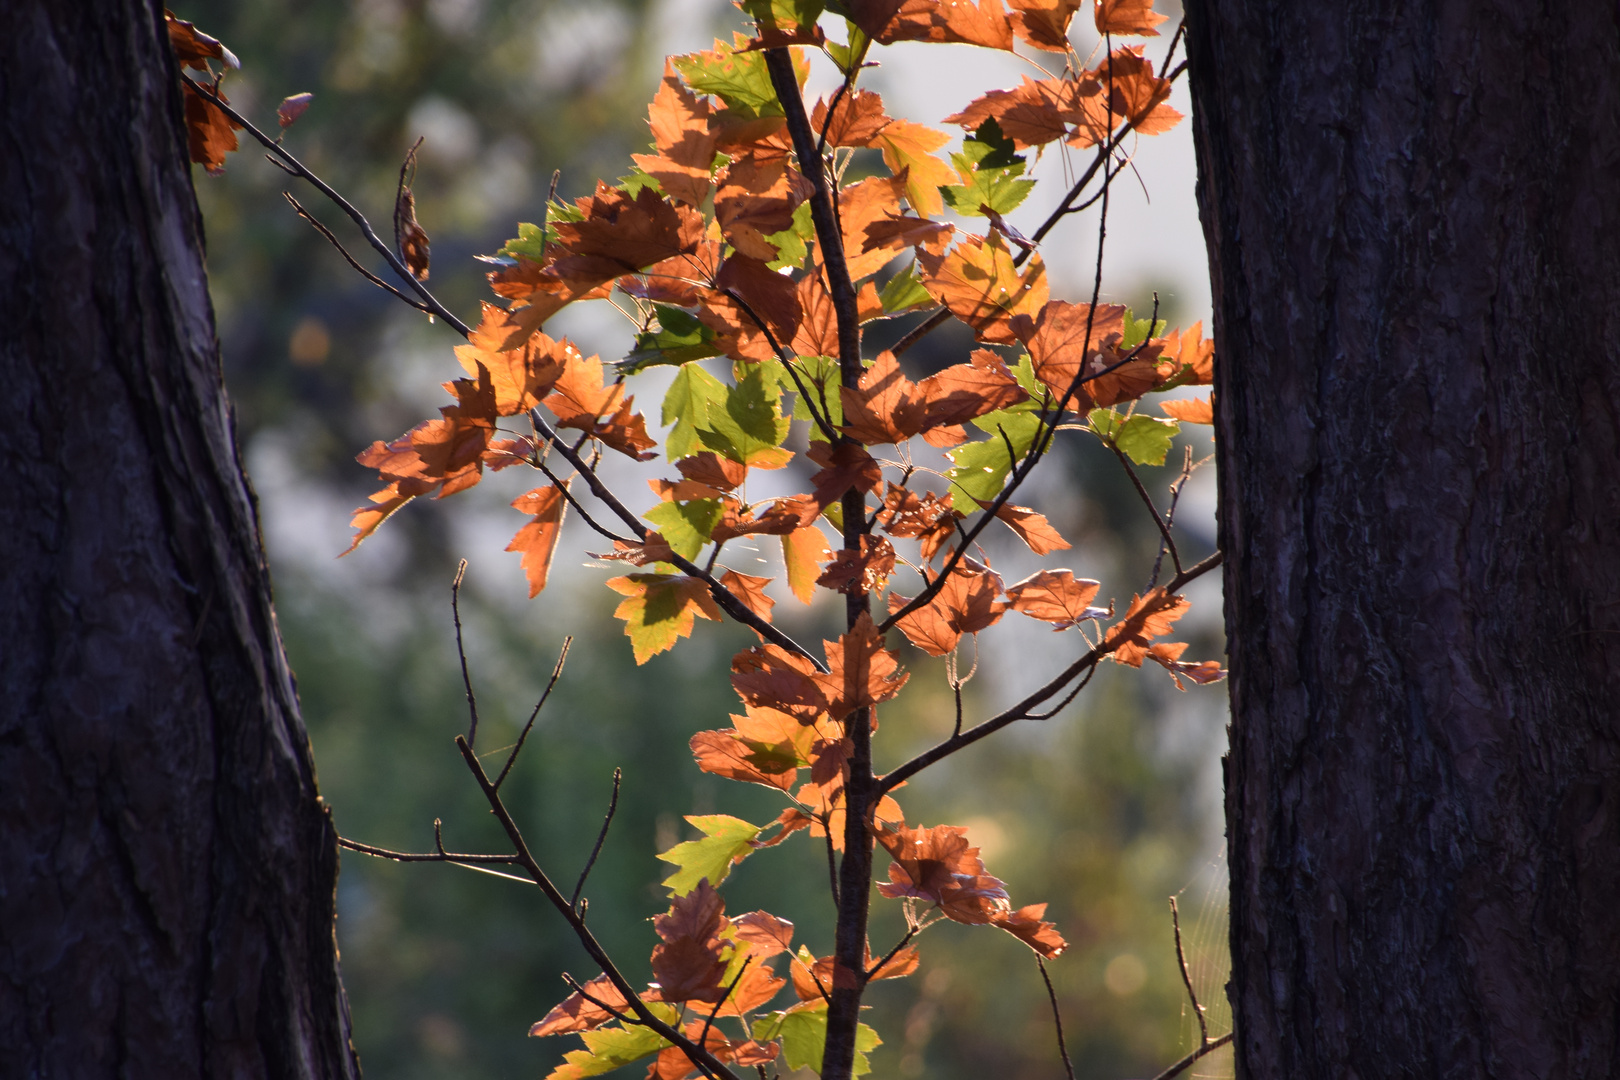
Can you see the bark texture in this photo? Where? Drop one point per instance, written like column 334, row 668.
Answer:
column 1413, row 217
column 166, row 866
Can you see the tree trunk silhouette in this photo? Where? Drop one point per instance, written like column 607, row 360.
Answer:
column 1413, row 218
column 166, row 866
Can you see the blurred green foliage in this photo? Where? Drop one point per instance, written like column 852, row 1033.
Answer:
column 1103, row 811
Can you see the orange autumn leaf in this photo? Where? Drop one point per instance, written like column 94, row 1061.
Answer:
column 1032, row 528
column 967, row 603
column 365, row 520
column 963, row 392
column 680, row 127
column 968, row 22
column 1168, row 655
column 863, row 570
column 844, row 466
column 577, row 1013
column 803, row 551
column 763, row 933
column 751, row 591
column 765, row 746
column 1128, row 17
column 884, row 407
column 1189, row 410
column 770, row 677
column 873, row 201
column 755, row 200
column 1192, row 354
column 210, row 134
column 817, row 333
column 520, row 374
column 1037, row 112
column 1063, row 338
column 537, row 540
column 1149, row 616
column 856, row 121
column 707, row 467
column 860, row 671
column 580, row 399
column 1136, row 93
column 688, row 965
column 978, row 282
column 1025, row 924
column 619, row 234
column 939, row 865
column 1044, row 23
column 1055, row 596
column 660, row 609
column 909, row 148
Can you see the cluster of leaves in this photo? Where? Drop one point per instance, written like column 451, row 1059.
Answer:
column 737, row 237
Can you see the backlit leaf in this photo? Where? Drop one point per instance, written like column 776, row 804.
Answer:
column 660, row 609
column 1144, row 439
column 978, row 282
column 686, row 405
column 537, row 540
column 804, row 550
column 686, row 526
column 726, row 842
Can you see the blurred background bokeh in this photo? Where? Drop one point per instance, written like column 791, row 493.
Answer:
column 1104, row 811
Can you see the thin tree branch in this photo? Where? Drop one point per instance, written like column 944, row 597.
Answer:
column 1147, row 501
column 1170, row 514
column 1191, row 1059
column 696, row 1054
column 335, row 242
column 601, row 838
column 723, row 596
column 703, row 1036
column 461, row 652
column 1186, row 976
column 872, row 972
column 556, row 673
column 426, row 856
column 822, row 422
column 297, row 167
column 1022, row 710
column 1057, row 1017
column 921, row 330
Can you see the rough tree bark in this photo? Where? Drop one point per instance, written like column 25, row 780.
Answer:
column 1413, row 218
column 166, row 866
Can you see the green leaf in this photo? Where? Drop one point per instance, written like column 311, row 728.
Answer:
column 1143, row 439
column 529, row 244
column 785, row 14
column 613, row 1046
column 685, row 404
column 1139, row 330
column 686, row 526
column 821, row 378
column 904, row 291
column 989, row 169
column 679, row 339
column 791, row 241
column 748, row 425
column 982, row 467
column 638, row 179
column 741, row 80
column 1024, row 372
column 848, row 57
column 725, row 840
column 803, row 1031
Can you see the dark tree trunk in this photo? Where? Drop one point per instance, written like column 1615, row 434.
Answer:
column 1413, row 217
column 166, row 867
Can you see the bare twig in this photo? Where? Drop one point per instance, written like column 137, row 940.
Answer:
column 293, row 165
column 1147, row 500
column 1170, row 514
column 1186, row 975
column 461, row 652
column 703, row 1036
column 601, row 838
column 872, row 972
column 335, row 242
column 696, row 1054
column 1057, row 1017
column 556, row 673
column 1191, row 1059
column 425, row 856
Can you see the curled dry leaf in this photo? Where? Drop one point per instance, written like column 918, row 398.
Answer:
column 537, row 540
column 1189, row 410
column 967, row 603
column 413, row 239
column 292, row 107
column 1149, row 616
column 860, row 571
column 1128, row 17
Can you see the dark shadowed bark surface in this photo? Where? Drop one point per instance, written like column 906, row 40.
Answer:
column 1413, row 216
column 166, row 866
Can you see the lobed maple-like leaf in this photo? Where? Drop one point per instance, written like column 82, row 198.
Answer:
column 927, row 518
column 884, row 407
column 863, row 570
column 520, row 374
column 1150, row 615
column 860, row 671
column 1032, row 528
column 766, row 746
column 1044, row 23
column 680, row 128
column 939, row 865
column 1063, row 339
column 1127, row 17
column 210, row 134
column 660, row 609
column 576, row 1013
column 1038, row 112
column 1025, row 924
column 909, row 148
column 977, row 281
column 1136, row 93
column 803, row 551
column 1192, row 354
column 964, row 392
column 1056, row 597
column 581, row 399
column 769, row 676
column 726, row 841
column 537, row 540
column 688, row 966
column 967, row 603
column 1189, row 410
column 756, row 200
column 968, row 22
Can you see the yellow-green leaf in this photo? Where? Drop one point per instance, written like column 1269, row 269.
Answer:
column 726, row 842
